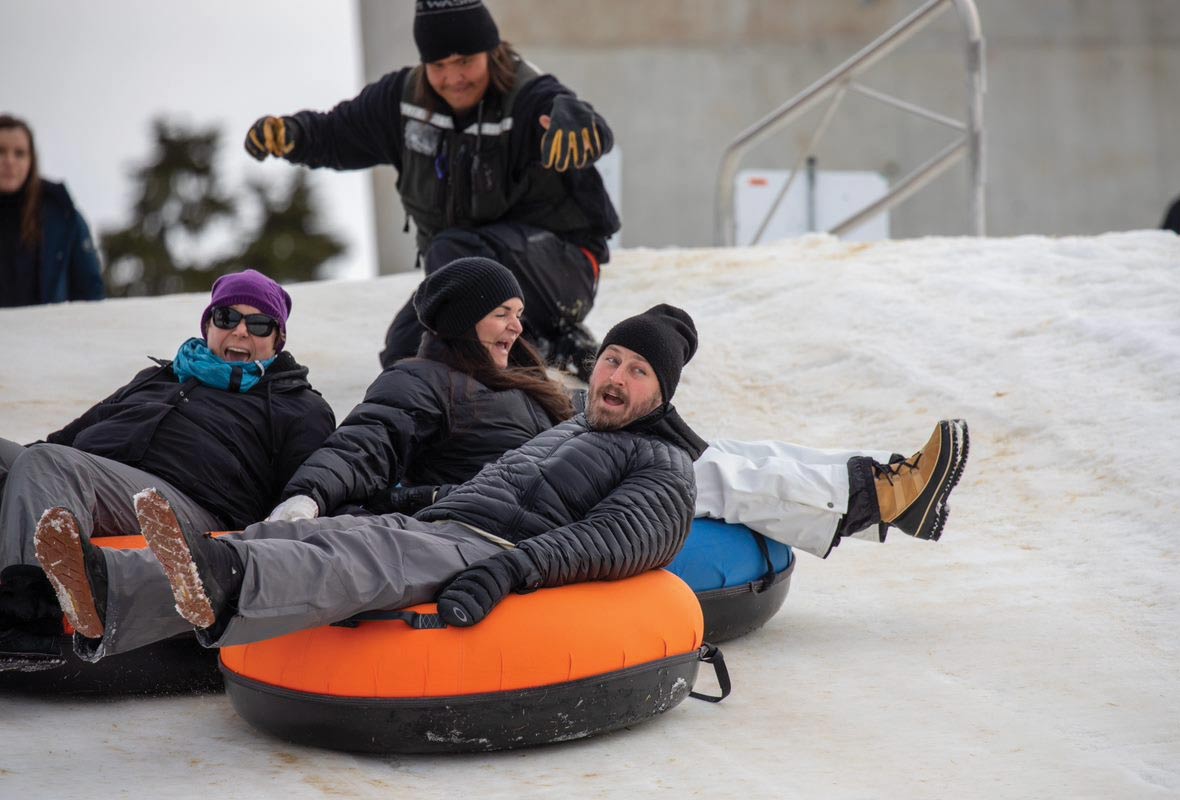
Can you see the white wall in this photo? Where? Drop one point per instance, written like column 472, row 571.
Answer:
column 89, row 77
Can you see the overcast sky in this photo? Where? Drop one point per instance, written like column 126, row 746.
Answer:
column 93, row 75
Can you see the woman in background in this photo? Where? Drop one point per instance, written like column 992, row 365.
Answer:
column 46, row 252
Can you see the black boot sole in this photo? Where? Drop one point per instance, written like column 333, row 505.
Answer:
column 932, row 505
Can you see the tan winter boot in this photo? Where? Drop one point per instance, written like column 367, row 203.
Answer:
column 912, row 493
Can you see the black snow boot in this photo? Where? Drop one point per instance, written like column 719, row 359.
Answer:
column 206, row 574
column 75, row 568
column 27, row 599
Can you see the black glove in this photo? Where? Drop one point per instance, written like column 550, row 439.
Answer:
column 402, row 499
column 272, row 136
column 473, row 594
column 573, row 138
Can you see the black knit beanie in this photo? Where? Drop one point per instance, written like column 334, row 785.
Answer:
column 443, row 28
column 665, row 335
column 451, row 300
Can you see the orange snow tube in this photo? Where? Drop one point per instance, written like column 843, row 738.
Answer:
column 549, row 666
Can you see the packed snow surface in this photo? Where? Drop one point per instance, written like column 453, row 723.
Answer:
column 1033, row 652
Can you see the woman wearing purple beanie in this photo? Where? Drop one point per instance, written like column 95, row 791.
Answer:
column 223, row 425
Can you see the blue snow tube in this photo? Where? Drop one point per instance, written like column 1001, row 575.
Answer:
column 740, row 577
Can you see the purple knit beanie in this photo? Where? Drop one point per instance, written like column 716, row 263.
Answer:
column 250, row 288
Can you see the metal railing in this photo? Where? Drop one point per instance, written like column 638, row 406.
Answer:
column 836, row 85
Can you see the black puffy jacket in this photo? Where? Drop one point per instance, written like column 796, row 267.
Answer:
column 370, row 129
column 230, row 452
column 583, row 504
column 420, row 422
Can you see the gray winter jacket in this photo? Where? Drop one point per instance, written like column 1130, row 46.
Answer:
column 583, row 504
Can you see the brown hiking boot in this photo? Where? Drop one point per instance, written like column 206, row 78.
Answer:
column 63, row 555
column 912, row 492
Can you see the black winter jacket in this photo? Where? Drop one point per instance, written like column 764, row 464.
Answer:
column 229, row 452
column 420, row 422
column 584, row 504
column 370, row 129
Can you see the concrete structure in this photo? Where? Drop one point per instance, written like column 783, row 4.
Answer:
column 1080, row 107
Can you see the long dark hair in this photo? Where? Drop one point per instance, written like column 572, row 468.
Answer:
column 30, row 212
column 525, row 370
column 502, row 61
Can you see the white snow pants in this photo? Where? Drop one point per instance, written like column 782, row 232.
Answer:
column 792, row 494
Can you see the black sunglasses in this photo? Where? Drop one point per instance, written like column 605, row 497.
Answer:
column 228, row 318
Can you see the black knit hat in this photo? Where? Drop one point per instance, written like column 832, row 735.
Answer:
column 665, row 335
column 443, row 28
column 451, row 300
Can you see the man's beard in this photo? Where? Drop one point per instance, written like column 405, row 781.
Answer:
column 607, row 421
column 600, row 422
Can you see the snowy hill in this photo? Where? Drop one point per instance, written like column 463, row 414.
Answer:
column 1033, row 652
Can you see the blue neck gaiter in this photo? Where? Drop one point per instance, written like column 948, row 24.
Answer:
column 196, row 360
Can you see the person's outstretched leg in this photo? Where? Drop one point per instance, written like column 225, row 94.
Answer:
column 96, row 490
column 290, row 576
column 117, row 600
column 792, row 494
column 810, row 498
column 205, row 575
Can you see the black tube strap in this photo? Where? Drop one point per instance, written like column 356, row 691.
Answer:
column 710, row 654
column 421, row 622
column 768, row 578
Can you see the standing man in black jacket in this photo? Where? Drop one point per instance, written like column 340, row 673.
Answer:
column 603, row 496
column 494, row 159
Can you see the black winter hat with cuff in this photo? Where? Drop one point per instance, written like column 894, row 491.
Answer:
column 444, row 28
column 450, row 301
column 664, row 335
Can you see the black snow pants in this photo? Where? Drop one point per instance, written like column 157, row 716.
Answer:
column 558, row 279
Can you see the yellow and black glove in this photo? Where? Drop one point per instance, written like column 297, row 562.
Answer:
column 573, row 139
column 272, row 136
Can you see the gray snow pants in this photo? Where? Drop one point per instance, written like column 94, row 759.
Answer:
column 96, row 490
column 298, row 574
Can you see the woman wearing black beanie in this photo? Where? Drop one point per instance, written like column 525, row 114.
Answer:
column 475, row 390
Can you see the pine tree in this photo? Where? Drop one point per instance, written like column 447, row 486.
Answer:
column 179, row 199
column 287, row 245
column 177, row 190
